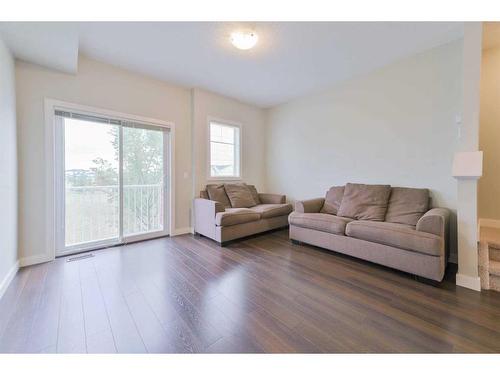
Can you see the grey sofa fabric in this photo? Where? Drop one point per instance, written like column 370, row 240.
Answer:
column 419, row 249
column 204, row 218
column 431, row 267
column 318, row 221
column 398, row 235
column 407, row 205
column 239, row 195
column 218, row 193
column 266, row 198
column 310, row 205
column 435, row 221
column 332, row 200
column 224, row 224
column 233, row 216
column 233, row 232
column 365, row 202
column 255, row 194
column 271, row 210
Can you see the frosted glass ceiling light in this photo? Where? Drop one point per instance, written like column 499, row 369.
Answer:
column 244, row 39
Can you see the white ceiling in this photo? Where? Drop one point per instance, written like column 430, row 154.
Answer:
column 291, row 59
column 50, row 44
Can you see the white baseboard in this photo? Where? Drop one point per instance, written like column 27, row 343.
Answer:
column 469, row 282
column 35, row 259
column 8, row 278
column 180, row 231
column 490, row 223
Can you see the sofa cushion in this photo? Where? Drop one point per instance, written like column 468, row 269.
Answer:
column 318, row 221
column 332, row 200
column 272, row 210
column 397, row 235
column 239, row 195
column 407, row 205
column 365, row 202
column 255, row 194
column 218, row 193
column 233, row 216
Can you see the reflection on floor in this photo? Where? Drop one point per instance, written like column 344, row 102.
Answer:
column 263, row 294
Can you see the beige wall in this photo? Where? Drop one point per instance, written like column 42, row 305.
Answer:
column 396, row 125
column 489, row 135
column 104, row 86
column 98, row 85
column 207, row 104
column 8, row 169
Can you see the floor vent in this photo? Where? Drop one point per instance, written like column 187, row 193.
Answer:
column 80, row 257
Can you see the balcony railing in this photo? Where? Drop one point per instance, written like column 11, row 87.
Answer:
column 93, row 212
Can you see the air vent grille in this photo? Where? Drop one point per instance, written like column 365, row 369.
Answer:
column 80, row 257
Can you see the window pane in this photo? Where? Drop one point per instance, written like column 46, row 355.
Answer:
column 142, row 180
column 222, row 163
column 224, row 150
column 91, row 181
column 221, row 133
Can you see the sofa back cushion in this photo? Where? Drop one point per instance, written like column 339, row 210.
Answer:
column 239, row 195
column 365, row 202
column 255, row 194
column 407, row 205
column 217, row 192
column 332, row 200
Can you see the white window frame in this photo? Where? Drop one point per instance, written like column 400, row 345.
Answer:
column 228, row 123
column 54, row 167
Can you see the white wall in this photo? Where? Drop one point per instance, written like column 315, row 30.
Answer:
column 395, row 126
column 98, row 85
column 251, row 118
column 489, row 136
column 8, row 169
column 467, row 274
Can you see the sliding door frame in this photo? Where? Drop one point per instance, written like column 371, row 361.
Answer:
column 54, row 176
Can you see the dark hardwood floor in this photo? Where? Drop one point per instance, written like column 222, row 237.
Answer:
column 263, row 294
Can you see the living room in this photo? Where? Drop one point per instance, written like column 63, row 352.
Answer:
column 249, row 187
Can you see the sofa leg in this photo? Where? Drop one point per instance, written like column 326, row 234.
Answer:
column 295, row 242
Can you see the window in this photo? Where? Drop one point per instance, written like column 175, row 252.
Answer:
column 225, row 150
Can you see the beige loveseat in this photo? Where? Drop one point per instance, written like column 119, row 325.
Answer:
column 394, row 227
column 226, row 212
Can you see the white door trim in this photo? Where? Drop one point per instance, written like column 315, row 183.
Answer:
column 50, row 105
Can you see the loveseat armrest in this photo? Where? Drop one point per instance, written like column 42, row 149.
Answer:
column 309, row 205
column 204, row 216
column 435, row 221
column 267, row 198
column 206, row 209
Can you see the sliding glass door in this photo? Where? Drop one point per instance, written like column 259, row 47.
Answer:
column 112, row 181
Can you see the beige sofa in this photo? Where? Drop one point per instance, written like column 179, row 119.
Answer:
column 218, row 218
column 390, row 226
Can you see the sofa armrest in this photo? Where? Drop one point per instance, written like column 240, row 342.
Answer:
column 435, row 221
column 267, row 198
column 206, row 209
column 204, row 216
column 310, row 205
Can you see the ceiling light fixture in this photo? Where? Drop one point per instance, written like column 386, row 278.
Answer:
column 244, row 39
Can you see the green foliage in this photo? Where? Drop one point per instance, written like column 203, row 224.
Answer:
column 142, row 161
